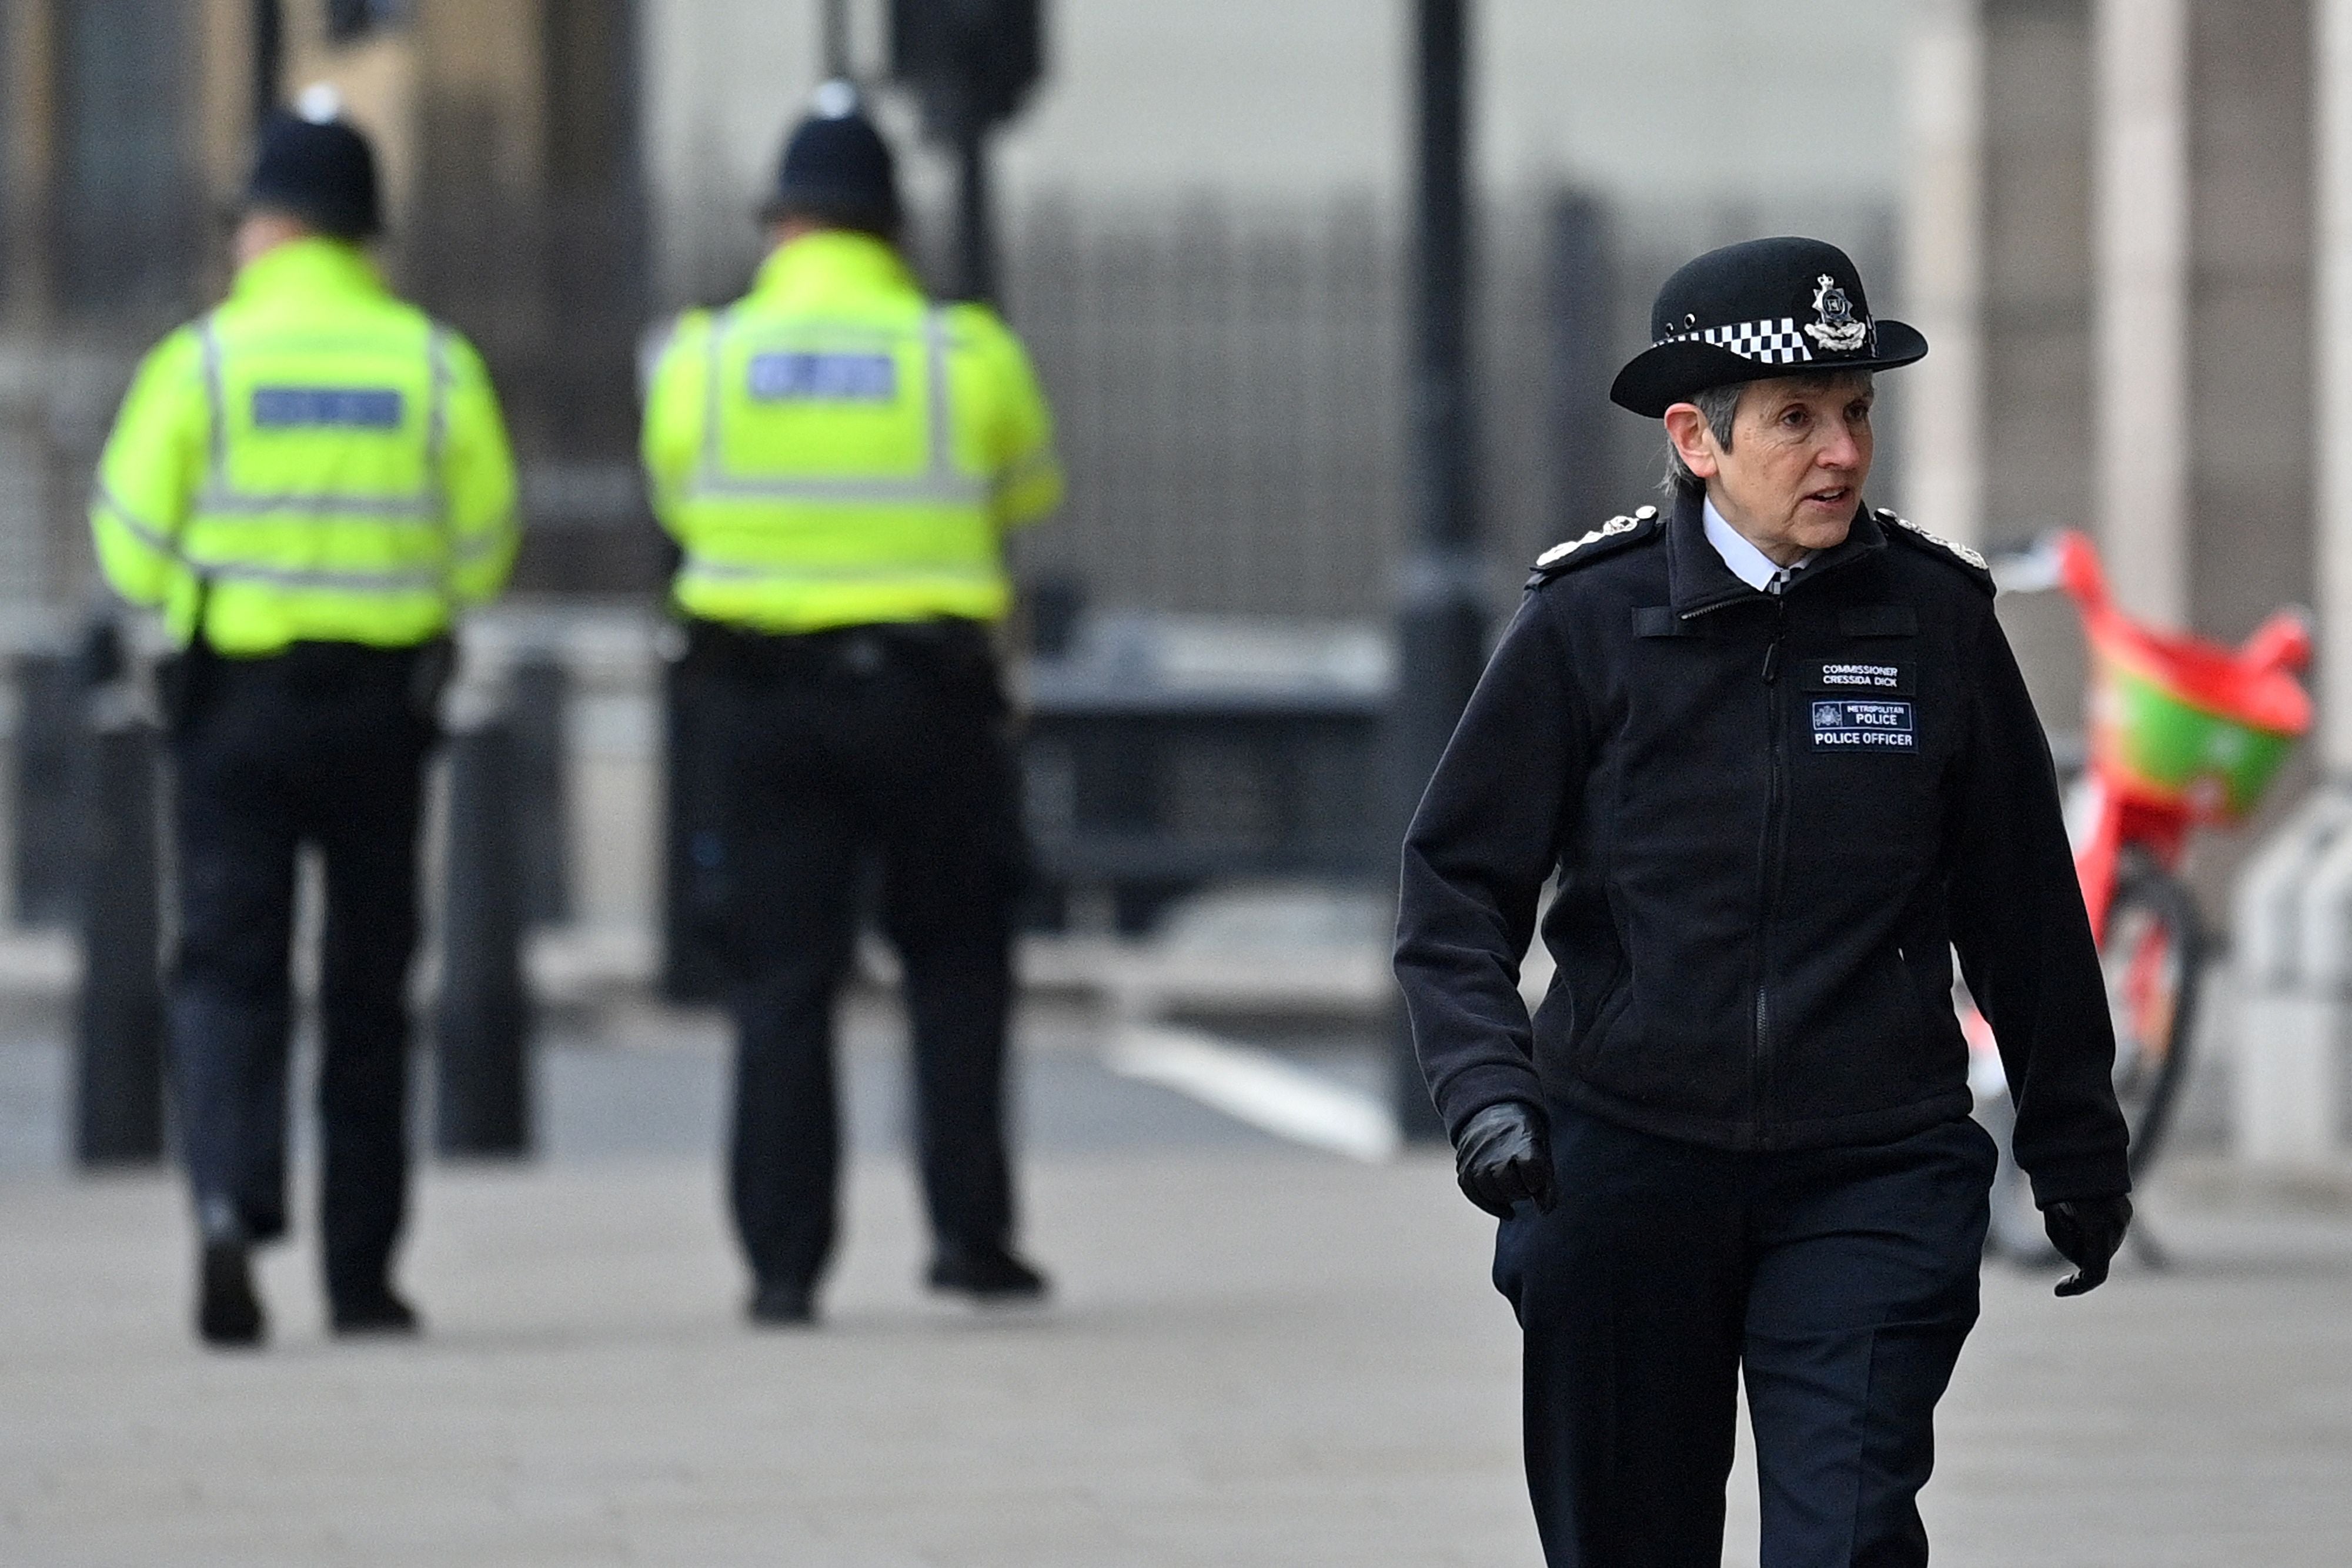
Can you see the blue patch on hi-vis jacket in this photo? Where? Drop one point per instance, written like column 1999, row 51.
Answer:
column 831, row 378
column 354, row 408
column 1853, row 724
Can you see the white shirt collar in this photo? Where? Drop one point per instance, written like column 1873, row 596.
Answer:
column 1749, row 564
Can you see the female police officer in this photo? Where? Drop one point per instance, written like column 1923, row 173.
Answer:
column 1777, row 753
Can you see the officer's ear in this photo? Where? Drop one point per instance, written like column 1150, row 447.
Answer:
column 1693, row 440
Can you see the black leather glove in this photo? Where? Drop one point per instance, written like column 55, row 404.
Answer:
column 2087, row 1230
column 1505, row 1156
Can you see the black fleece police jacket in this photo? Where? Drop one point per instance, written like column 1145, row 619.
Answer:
column 1772, row 818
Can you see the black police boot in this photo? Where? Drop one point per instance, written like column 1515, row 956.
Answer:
column 781, row 1305
column 376, row 1311
column 228, row 1313
column 988, row 1275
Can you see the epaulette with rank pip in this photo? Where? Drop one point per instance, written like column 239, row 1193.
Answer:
column 1917, row 537
column 1610, row 538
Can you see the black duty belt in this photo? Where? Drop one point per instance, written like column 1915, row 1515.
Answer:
column 746, row 654
column 325, row 668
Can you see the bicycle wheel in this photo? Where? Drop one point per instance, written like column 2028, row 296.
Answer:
column 2153, row 959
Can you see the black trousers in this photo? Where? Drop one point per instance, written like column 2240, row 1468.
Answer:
column 1841, row 1282
column 320, row 746
column 867, row 748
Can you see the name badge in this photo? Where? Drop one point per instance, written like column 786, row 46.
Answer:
column 1854, row 724
column 1861, row 676
column 824, row 378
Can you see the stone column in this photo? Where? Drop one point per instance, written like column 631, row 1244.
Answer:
column 2331, row 368
column 1943, row 269
column 2294, row 903
column 2140, row 240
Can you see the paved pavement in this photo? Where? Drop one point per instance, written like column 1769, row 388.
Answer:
column 1258, row 1356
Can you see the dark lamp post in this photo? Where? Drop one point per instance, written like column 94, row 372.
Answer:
column 268, row 57
column 1441, row 609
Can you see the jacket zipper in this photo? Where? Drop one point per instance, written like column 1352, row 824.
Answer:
column 1768, row 865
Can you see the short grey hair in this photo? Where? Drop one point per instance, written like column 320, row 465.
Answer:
column 1719, row 406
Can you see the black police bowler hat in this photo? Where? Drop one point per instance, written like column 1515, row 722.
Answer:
column 837, row 168
column 1764, row 308
column 318, row 170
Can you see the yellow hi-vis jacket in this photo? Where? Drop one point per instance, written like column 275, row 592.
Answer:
column 315, row 461
column 834, row 450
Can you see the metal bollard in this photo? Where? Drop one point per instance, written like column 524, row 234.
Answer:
column 542, row 690
column 482, row 1020
column 119, row 1021
column 52, row 727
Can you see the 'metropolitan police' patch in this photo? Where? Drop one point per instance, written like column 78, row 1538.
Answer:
column 829, row 378
column 1854, row 724
column 360, row 408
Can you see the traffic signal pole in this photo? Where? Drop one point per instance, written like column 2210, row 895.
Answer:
column 268, row 57
column 1440, row 610
column 975, row 240
column 971, row 63
column 835, row 42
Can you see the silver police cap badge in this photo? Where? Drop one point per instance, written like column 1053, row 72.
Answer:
column 1837, row 330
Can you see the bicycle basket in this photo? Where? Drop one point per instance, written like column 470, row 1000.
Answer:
column 2183, row 722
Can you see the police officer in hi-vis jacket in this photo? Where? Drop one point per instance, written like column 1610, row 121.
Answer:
column 310, row 483
column 839, row 459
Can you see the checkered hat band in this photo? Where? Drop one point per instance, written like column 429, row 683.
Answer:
column 1766, row 342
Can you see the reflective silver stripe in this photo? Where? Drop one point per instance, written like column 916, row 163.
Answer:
column 735, row 571
column 436, row 415
column 372, row 509
column 437, row 439
column 941, row 484
column 383, row 582
column 935, row 374
column 217, row 400
column 158, row 539
column 880, row 492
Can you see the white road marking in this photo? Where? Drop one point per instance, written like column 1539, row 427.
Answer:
column 1257, row 1087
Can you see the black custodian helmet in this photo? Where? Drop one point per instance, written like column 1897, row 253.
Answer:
column 314, row 166
column 837, row 168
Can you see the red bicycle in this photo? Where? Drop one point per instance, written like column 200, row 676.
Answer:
column 2183, row 733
